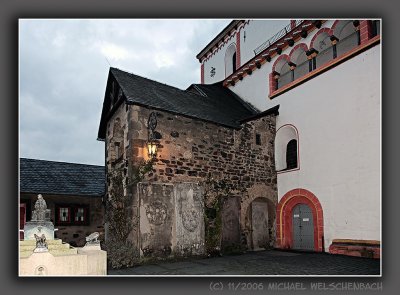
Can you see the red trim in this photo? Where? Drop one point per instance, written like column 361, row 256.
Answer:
column 238, row 50
column 334, row 25
column 298, row 149
column 327, row 66
column 283, row 56
column 284, row 218
column 202, row 73
column 270, row 52
column 301, row 45
column 22, row 219
column 365, row 31
column 225, row 39
column 272, row 83
column 321, row 31
column 292, row 24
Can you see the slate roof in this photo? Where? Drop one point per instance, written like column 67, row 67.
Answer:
column 213, row 103
column 49, row 177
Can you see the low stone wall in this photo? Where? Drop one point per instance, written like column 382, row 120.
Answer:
column 359, row 248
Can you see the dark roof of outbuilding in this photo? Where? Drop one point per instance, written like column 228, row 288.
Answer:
column 213, row 103
column 49, row 177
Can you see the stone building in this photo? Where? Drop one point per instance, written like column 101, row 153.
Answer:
column 207, row 138
column 73, row 193
column 278, row 146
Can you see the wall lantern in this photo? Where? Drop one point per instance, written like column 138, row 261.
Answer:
column 152, row 149
column 151, row 141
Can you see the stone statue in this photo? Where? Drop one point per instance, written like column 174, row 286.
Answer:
column 41, row 213
column 92, row 239
column 40, row 223
column 41, row 245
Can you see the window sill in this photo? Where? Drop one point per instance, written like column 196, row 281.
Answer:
column 287, row 170
column 331, row 64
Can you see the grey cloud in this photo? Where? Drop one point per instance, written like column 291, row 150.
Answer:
column 63, row 76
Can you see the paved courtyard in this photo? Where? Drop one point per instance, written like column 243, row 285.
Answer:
column 262, row 263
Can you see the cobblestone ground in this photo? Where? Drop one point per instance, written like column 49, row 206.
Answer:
column 262, row 263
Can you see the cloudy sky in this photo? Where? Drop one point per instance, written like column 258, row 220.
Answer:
column 63, row 66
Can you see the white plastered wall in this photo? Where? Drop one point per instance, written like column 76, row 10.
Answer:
column 337, row 115
column 257, row 32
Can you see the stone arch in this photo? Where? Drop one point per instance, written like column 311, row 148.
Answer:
column 296, row 51
column 284, row 210
column 322, row 34
column 280, row 62
column 342, row 28
column 264, row 193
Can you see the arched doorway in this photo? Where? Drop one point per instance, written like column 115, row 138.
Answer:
column 310, row 209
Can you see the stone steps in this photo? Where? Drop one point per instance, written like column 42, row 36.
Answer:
column 56, row 247
column 33, row 242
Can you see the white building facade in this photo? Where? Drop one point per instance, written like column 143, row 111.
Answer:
column 325, row 75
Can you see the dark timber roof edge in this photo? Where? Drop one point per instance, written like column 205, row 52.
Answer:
column 214, row 41
column 272, row 111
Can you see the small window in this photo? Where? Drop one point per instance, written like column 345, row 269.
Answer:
column 64, row 214
column 80, row 215
column 72, row 214
column 291, row 154
column 117, row 150
column 258, row 139
column 286, row 148
column 230, row 60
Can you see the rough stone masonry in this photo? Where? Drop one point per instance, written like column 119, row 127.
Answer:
column 189, row 151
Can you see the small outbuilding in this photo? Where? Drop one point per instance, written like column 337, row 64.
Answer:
column 73, row 192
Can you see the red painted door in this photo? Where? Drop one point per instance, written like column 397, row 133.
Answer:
column 22, row 219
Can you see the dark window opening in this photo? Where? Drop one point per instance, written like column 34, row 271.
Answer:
column 258, row 139
column 234, row 62
column 291, row 154
column 72, row 215
column 375, row 27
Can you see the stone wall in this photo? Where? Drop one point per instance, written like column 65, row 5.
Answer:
column 191, row 150
column 171, row 220
column 73, row 234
